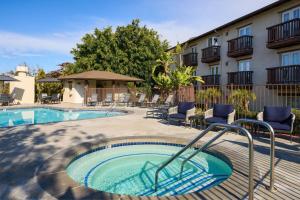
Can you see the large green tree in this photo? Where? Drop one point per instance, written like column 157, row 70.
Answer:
column 131, row 50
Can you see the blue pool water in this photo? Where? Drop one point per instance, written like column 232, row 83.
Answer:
column 17, row 117
column 130, row 170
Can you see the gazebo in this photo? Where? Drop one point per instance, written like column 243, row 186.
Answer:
column 78, row 87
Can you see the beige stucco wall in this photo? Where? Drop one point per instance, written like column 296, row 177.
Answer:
column 262, row 57
column 77, row 94
column 23, row 89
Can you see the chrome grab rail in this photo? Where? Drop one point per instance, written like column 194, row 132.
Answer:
column 272, row 146
column 227, row 128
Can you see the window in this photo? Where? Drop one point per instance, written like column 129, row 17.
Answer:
column 213, row 41
column 291, row 14
column 246, row 30
column 290, row 58
column 194, row 49
column 214, row 70
column 244, row 65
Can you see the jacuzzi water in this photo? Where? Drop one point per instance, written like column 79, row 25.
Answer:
column 130, row 170
column 17, row 117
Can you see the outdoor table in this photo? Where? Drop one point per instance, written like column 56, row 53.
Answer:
column 195, row 119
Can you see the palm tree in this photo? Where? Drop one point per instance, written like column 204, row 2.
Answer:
column 209, row 96
column 241, row 99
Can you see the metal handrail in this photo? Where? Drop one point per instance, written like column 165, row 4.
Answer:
column 227, row 128
column 272, row 145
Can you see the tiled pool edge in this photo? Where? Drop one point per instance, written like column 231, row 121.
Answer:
column 53, row 178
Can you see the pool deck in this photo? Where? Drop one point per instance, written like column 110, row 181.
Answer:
column 23, row 149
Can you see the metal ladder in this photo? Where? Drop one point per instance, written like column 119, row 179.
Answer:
column 227, row 127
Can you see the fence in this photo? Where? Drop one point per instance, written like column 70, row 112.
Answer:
column 249, row 99
column 117, row 93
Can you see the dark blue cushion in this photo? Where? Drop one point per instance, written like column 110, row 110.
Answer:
column 222, row 110
column 280, row 126
column 216, row 120
column 276, row 114
column 177, row 116
column 183, row 107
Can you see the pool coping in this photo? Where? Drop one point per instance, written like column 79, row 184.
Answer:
column 52, row 176
column 123, row 111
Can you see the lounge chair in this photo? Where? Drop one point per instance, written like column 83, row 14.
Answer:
column 93, row 100
column 220, row 113
column 141, row 100
column 280, row 118
column 125, row 99
column 161, row 111
column 154, row 101
column 108, row 99
column 182, row 112
column 55, row 98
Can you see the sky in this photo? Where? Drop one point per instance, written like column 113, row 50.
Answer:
column 41, row 33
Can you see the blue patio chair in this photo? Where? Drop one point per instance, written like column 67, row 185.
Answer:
column 182, row 112
column 93, row 100
column 220, row 113
column 280, row 118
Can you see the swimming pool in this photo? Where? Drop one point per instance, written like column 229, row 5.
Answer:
column 129, row 169
column 26, row 116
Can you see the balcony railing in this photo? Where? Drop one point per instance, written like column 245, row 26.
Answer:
column 284, row 75
column 190, row 59
column 284, row 34
column 211, row 80
column 210, row 54
column 240, row 78
column 240, row 46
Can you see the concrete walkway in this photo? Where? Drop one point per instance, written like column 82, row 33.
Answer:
column 24, row 148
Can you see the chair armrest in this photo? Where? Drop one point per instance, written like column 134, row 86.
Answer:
column 260, row 116
column 230, row 118
column 189, row 113
column 293, row 117
column 173, row 110
column 208, row 113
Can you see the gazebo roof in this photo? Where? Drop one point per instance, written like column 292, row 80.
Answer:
column 48, row 80
column 7, row 78
column 101, row 75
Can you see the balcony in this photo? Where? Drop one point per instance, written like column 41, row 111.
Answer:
column 240, row 46
column 284, row 75
column 240, row 79
column 190, row 59
column 211, row 80
column 211, row 54
column 284, row 34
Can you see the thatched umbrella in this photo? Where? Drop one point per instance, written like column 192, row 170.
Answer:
column 4, row 78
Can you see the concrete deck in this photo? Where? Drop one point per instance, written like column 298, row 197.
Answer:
column 24, row 148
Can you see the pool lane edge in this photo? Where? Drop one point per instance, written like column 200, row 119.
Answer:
column 53, row 178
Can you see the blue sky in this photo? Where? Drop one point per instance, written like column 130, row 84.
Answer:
column 41, row 33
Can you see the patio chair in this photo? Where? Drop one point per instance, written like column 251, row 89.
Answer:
column 93, row 100
column 4, row 99
column 55, row 98
column 182, row 112
column 141, row 100
column 281, row 119
column 108, row 99
column 44, row 98
column 154, row 101
column 220, row 113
